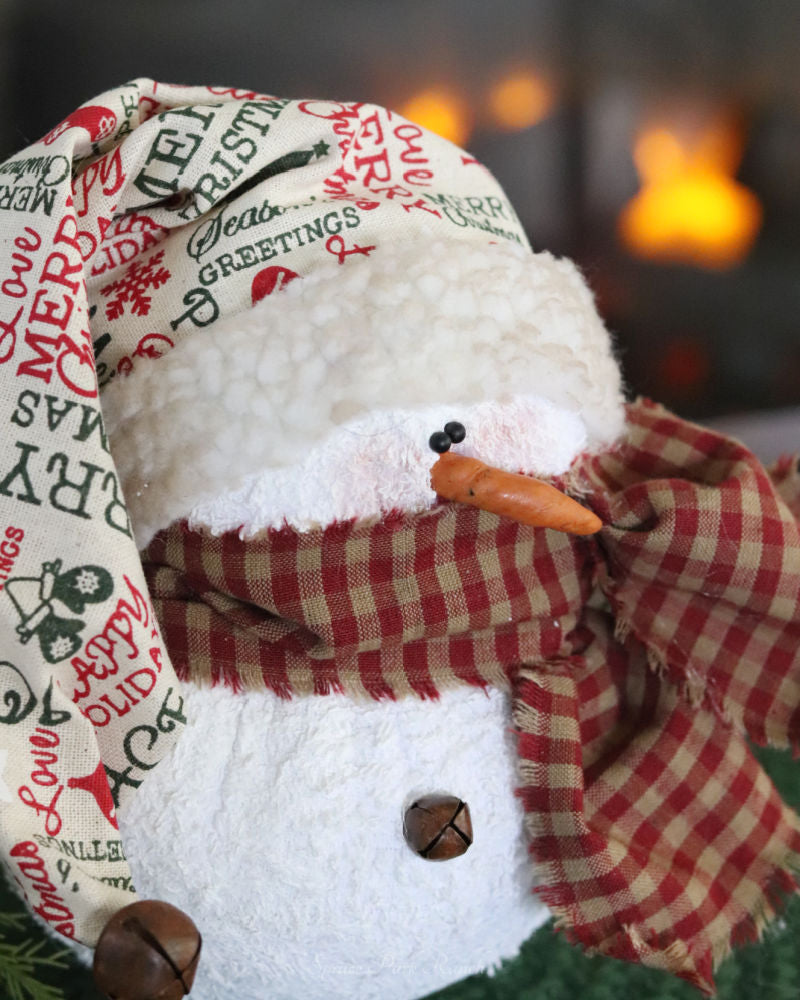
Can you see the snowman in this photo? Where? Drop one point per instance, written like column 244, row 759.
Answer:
column 314, row 420
column 413, row 562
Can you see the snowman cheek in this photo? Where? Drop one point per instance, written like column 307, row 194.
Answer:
column 281, row 824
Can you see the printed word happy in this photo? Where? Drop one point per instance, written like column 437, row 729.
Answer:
column 106, row 652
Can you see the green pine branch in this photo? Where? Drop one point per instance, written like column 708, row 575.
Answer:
column 12, row 921
column 21, row 965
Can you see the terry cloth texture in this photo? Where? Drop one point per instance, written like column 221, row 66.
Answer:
column 322, row 885
column 640, row 662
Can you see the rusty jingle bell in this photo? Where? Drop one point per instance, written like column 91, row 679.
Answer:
column 438, row 827
column 147, row 951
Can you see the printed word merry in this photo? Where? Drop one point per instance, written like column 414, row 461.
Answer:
column 52, row 907
column 73, row 487
column 47, row 171
column 27, row 198
column 477, row 213
column 172, row 150
column 370, row 162
column 50, row 314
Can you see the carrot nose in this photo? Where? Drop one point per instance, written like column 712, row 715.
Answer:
column 509, row 494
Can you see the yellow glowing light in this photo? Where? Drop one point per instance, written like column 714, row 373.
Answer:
column 520, row 100
column 690, row 208
column 442, row 112
column 658, row 155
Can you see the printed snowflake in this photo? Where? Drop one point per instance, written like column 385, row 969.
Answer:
column 133, row 285
column 60, row 647
column 87, row 581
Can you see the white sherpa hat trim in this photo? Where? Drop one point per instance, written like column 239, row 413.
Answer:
column 316, row 405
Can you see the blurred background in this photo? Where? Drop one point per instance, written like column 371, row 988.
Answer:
column 657, row 142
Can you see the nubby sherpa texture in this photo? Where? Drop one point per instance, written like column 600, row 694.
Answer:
column 317, row 403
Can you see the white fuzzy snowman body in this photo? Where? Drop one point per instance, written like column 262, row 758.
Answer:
column 278, row 825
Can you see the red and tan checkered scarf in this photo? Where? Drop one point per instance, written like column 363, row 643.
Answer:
column 640, row 662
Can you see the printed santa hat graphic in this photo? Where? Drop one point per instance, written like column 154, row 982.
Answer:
column 99, row 122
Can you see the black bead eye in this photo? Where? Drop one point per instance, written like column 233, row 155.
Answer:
column 440, row 442
column 455, row 431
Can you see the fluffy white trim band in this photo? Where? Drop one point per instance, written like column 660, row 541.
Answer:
column 317, row 404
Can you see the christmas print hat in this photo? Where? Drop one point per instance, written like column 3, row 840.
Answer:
column 273, row 291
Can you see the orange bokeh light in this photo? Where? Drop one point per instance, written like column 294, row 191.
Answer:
column 520, row 100
column 440, row 111
column 690, row 208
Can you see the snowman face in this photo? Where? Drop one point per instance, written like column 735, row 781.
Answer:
column 381, row 462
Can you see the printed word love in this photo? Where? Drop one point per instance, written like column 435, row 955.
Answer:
column 43, row 743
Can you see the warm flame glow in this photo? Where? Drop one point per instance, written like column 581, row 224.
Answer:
column 442, row 112
column 520, row 100
column 690, row 208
